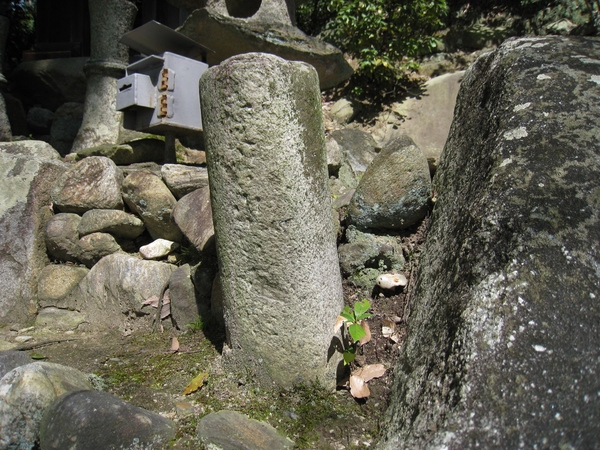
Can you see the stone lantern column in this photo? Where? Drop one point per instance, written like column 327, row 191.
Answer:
column 5, row 130
column 110, row 20
column 279, row 270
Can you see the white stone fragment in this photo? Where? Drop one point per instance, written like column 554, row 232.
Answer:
column 543, row 76
column 391, row 280
column 522, row 106
column 158, row 249
column 517, row 133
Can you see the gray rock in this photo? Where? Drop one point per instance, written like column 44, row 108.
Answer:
column 113, row 221
column 158, row 248
column 335, row 156
column 55, row 319
column 24, row 208
column 182, row 180
column 57, row 281
column 359, row 148
column 427, row 118
column 16, row 115
column 93, row 183
column 139, row 151
column 5, row 130
column 151, row 199
column 184, row 306
column 30, row 149
column 268, row 170
column 394, row 191
column 503, row 338
column 87, row 420
column 51, row 82
column 231, row 430
column 11, row 359
column 344, row 110
column 112, row 293
column 365, row 250
column 39, row 120
column 66, row 123
column 193, row 215
column 95, row 246
column 26, row 392
column 229, row 36
column 62, row 238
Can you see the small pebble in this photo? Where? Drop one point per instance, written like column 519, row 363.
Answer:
column 23, row 338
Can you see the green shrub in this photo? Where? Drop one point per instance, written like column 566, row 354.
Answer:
column 383, row 35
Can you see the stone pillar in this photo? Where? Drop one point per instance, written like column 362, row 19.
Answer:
column 110, row 19
column 5, row 130
column 279, row 270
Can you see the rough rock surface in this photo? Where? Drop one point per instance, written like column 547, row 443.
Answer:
column 57, row 281
column 262, row 121
column 395, row 189
column 427, row 118
column 87, row 420
column 182, row 180
column 61, row 236
column 113, row 221
column 229, row 36
column 12, row 359
column 502, row 346
column 26, row 392
column 25, row 184
column 150, row 198
column 112, row 293
column 194, row 217
column 93, row 183
column 233, row 430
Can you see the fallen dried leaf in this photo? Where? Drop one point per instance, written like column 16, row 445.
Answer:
column 367, row 337
column 196, row 383
column 338, row 323
column 174, row 345
column 358, row 387
column 370, row 371
column 387, row 328
column 152, row 301
column 165, row 310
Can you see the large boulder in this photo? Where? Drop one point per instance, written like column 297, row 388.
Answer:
column 112, row 294
column 503, row 339
column 147, row 195
column 86, row 420
column 25, row 183
column 395, row 189
column 92, row 183
column 26, row 392
column 427, row 118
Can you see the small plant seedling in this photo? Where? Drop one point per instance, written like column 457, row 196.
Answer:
column 358, row 330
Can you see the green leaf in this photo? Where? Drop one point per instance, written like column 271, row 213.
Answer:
column 349, row 355
column 361, row 307
column 357, row 332
column 37, row 356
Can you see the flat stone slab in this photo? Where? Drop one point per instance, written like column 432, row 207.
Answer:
column 231, row 430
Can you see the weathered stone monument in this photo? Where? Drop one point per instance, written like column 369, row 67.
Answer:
column 233, row 27
column 110, row 19
column 503, row 345
column 279, row 271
